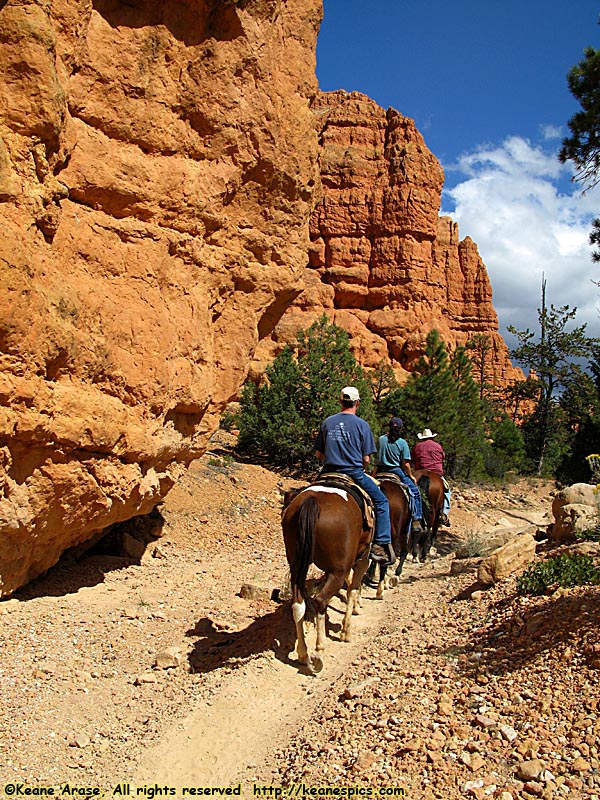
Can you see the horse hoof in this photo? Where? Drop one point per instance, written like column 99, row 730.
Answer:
column 315, row 664
column 394, row 581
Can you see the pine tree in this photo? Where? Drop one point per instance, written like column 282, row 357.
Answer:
column 326, row 365
column 582, row 147
column 467, row 435
column 269, row 420
column 480, row 350
column 554, row 354
column 429, row 398
column 383, row 383
column 505, row 449
column 280, row 419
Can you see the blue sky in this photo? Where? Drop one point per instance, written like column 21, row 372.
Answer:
column 486, row 83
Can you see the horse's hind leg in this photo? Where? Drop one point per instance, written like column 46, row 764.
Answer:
column 321, row 631
column 333, row 584
column 356, row 575
column 369, row 576
column 400, row 565
column 299, row 613
column 314, row 662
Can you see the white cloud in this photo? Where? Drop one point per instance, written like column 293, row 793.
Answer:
column 516, row 202
column 550, row 132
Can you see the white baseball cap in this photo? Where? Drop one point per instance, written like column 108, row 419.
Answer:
column 350, row 393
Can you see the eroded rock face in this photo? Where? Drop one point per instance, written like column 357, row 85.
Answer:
column 384, row 266
column 157, row 171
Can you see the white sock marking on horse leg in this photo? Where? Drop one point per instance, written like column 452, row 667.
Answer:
column 298, row 611
column 321, row 631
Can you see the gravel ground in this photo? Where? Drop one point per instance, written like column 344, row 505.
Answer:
column 110, row 664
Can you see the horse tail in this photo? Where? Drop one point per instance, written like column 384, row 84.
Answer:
column 307, row 520
column 423, row 484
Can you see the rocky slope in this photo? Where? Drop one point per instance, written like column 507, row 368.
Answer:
column 157, row 170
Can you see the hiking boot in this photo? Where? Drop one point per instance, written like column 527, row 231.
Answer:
column 444, row 520
column 383, row 554
column 418, row 526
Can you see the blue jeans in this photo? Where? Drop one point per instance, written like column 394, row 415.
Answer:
column 414, row 495
column 383, row 530
column 447, row 496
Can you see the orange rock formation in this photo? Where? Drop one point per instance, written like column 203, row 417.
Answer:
column 383, row 265
column 158, row 172
column 157, row 167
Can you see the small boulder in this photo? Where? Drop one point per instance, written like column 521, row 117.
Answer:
column 572, row 509
column 572, row 519
column 508, row 559
column 530, row 770
column 132, row 547
column 170, row 657
column 355, row 690
column 251, row 591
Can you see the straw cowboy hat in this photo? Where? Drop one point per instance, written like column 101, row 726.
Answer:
column 427, row 434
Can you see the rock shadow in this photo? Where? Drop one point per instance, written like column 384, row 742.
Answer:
column 191, row 23
column 68, row 577
column 117, row 547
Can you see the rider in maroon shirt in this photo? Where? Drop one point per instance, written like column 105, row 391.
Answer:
column 428, row 454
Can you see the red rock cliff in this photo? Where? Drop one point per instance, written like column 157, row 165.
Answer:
column 383, row 265
column 157, row 166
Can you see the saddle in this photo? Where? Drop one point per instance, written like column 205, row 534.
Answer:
column 391, row 476
column 338, row 480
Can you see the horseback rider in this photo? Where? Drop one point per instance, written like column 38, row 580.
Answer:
column 393, row 455
column 344, row 444
column 430, row 455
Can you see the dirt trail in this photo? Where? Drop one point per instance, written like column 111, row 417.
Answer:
column 231, row 737
column 82, row 700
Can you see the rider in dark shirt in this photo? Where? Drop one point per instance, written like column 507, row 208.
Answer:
column 345, row 444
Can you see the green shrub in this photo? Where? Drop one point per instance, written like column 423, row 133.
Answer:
column 280, row 418
column 566, row 570
column 228, row 421
column 221, row 463
column 591, row 535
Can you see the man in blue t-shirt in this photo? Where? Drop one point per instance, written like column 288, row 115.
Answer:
column 345, row 444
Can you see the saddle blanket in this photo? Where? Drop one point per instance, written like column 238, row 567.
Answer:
column 337, row 481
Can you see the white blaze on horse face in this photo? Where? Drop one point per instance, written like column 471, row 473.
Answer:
column 329, row 490
column 298, row 611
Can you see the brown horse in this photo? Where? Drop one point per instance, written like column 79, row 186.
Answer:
column 324, row 526
column 432, row 488
column 404, row 539
column 401, row 536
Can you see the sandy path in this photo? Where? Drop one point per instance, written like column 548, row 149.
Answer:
column 231, row 737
